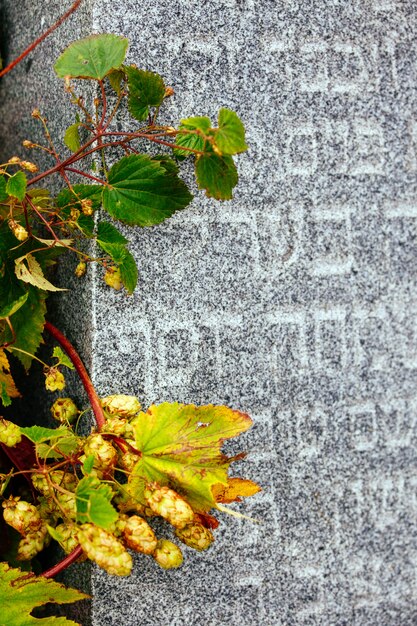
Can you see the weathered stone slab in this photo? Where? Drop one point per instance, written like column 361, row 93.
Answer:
column 295, row 302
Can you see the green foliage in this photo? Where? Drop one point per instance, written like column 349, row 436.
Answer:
column 146, row 89
column 93, row 503
column 230, row 136
column 16, row 185
column 62, row 358
column 92, row 57
column 142, row 193
column 217, row 175
column 72, row 137
column 20, row 593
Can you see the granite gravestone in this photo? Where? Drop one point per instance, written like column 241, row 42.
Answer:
column 294, row 302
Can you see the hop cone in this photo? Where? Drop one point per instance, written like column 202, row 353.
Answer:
column 139, row 536
column 167, row 554
column 32, row 543
column 195, row 536
column 9, row 433
column 68, row 540
column 22, row 516
column 121, row 405
column 168, row 504
column 54, row 380
column 105, row 456
column 64, row 410
column 65, row 480
column 103, row 548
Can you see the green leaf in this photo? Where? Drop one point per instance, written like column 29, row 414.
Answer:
column 28, row 323
column 181, row 447
column 168, row 164
column 92, row 57
column 230, row 136
column 63, row 359
column 129, row 273
column 141, row 192
column 217, row 175
column 116, row 251
column 16, row 185
column 93, row 503
column 8, row 309
column 192, row 140
column 39, row 434
column 4, row 396
column 20, row 594
column 8, row 387
column 3, row 193
column 72, row 137
column 115, row 79
column 29, row 271
column 107, row 233
column 88, row 464
column 145, row 89
column 69, row 199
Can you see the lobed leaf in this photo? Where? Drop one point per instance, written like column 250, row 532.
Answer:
column 141, row 192
column 93, row 503
column 181, row 447
column 92, row 57
column 20, row 593
column 145, row 89
column 230, row 135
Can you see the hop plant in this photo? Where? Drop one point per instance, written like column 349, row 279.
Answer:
column 54, row 380
column 18, row 230
column 113, row 279
column 64, row 410
column 32, row 543
column 195, row 536
column 167, row 554
column 119, row 426
column 67, row 537
column 121, row 405
column 168, row 504
column 21, row 515
column 44, row 484
column 139, row 536
column 9, row 433
column 81, row 269
column 103, row 548
column 105, row 455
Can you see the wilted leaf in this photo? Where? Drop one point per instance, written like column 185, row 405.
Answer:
column 29, row 270
column 235, row 489
column 181, row 447
column 7, row 383
column 92, row 57
column 141, row 192
column 20, row 594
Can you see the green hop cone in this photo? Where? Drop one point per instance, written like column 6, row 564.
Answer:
column 195, row 536
column 9, row 433
column 118, row 426
column 59, row 478
column 22, row 516
column 32, row 543
column 67, row 537
column 139, row 536
column 54, row 380
column 103, row 548
column 168, row 504
column 64, row 410
column 121, row 405
column 128, row 460
column 167, row 554
column 67, row 505
column 105, row 455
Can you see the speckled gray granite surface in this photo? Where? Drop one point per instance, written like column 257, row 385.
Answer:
column 295, row 302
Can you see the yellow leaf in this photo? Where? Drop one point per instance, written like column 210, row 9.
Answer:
column 6, row 378
column 235, row 490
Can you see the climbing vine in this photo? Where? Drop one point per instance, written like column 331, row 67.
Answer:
column 97, row 494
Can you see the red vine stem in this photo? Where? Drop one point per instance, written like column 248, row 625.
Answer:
column 69, row 560
column 82, row 372
column 39, row 40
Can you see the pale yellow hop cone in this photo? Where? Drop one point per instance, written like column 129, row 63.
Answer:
column 195, row 536
column 103, row 548
column 22, row 516
column 31, row 544
column 167, row 554
column 168, row 504
column 121, row 405
column 9, row 433
column 64, row 410
column 105, row 455
column 139, row 536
